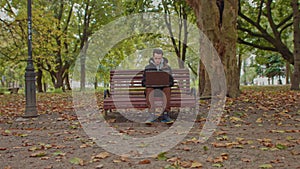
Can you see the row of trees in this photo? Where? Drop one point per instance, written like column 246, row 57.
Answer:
column 62, row 29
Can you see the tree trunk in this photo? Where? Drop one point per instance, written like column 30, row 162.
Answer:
column 245, row 72
column 39, row 80
column 218, row 19
column 287, row 72
column 59, row 80
column 201, row 79
column 180, row 46
column 83, row 44
column 67, row 81
column 82, row 68
column 45, row 87
column 296, row 75
column 240, row 62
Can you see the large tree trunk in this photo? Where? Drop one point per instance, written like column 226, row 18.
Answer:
column 296, row 75
column 217, row 19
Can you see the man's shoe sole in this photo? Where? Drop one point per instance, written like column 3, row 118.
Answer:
column 168, row 122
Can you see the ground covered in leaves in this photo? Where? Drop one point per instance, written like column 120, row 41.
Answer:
column 260, row 129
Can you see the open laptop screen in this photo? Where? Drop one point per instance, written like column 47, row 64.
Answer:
column 157, row 78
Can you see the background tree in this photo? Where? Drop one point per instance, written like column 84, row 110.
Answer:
column 296, row 24
column 217, row 19
column 270, row 66
column 185, row 15
column 267, row 25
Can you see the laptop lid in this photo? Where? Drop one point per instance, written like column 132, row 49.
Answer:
column 157, row 79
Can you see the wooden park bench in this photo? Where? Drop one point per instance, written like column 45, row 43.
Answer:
column 126, row 91
column 13, row 87
column 13, row 90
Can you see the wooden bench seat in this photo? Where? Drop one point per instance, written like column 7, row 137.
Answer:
column 126, row 90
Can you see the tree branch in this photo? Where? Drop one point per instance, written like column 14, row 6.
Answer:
column 285, row 27
column 241, row 41
column 250, row 32
column 271, row 21
column 267, row 36
column 285, row 20
column 260, row 11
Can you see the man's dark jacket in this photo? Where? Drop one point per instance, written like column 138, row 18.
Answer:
column 162, row 67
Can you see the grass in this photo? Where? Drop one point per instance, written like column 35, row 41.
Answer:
column 271, row 88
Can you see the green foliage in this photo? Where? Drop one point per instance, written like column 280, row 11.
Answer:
column 2, row 90
column 58, row 90
column 274, row 65
column 265, row 33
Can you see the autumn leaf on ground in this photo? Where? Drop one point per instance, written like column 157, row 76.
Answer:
column 266, row 166
column 173, row 159
column 185, row 164
column 259, row 120
column 222, row 138
column 59, row 153
column 162, row 156
column 196, row 164
column 146, row 161
column 76, row 160
column 246, row 160
column 235, row 119
column 218, row 165
column 99, row 166
column 117, row 160
column 218, row 160
column 2, row 148
column 102, row 155
column 38, row 154
column 281, row 146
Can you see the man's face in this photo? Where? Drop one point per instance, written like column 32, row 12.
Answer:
column 157, row 58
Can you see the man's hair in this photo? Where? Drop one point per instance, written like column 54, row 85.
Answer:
column 158, row 51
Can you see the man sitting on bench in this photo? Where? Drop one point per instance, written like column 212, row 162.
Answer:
column 158, row 64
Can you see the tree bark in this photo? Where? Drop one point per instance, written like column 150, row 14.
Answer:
column 39, row 80
column 296, row 75
column 287, row 72
column 84, row 43
column 218, row 19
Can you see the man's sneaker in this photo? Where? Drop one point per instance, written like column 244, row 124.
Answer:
column 166, row 118
column 151, row 119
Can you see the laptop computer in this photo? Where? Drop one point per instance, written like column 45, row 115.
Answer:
column 157, row 79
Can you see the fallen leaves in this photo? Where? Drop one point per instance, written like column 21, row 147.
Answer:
column 219, row 159
column 279, row 117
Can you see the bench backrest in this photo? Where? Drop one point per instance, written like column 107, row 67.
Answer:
column 129, row 82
